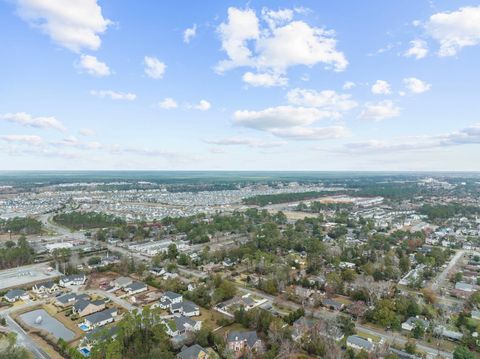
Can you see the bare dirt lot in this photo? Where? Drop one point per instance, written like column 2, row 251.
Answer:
column 99, row 280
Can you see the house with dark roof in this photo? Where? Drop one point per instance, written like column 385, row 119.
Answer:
column 188, row 309
column 242, row 342
column 193, row 352
column 99, row 319
column 121, row 282
column 413, row 322
column 16, row 294
column 85, row 307
column 69, row 299
column 170, row 298
column 358, row 343
column 135, row 288
column 73, row 280
column 179, row 325
column 45, row 288
column 332, row 304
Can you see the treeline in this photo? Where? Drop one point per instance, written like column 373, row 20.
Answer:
column 86, row 220
column 141, row 335
column 446, row 211
column 317, row 207
column 16, row 254
column 20, row 225
column 264, row 199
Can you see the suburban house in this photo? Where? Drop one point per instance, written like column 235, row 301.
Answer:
column 187, row 309
column 16, row 294
column 73, row 280
column 45, row 288
column 332, row 304
column 359, row 343
column 86, row 307
column 99, row 319
column 69, row 299
column 412, row 322
column 157, row 272
column 193, row 352
column 135, row 287
column 242, row 342
column 170, row 298
column 121, row 282
column 302, row 326
column 181, row 325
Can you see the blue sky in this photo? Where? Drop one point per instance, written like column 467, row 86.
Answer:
column 258, row 85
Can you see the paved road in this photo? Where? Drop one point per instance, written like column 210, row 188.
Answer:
column 443, row 275
column 112, row 297
column 23, row 338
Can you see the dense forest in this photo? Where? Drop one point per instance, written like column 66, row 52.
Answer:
column 16, row 254
column 85, row 220
column 19, row 225
column 446, row 211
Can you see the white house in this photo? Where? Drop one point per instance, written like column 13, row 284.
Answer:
column 16, row 294
column 412, row 322
column 45, row 288
column 187, row 309
column 359, row 343
column 181, row 325
column 99, row 319
column 73, row 280
column 135, row 287
column 170, row 298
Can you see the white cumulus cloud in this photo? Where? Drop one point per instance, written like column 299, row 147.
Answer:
column 93, row 66
column 418, row 49
column 381, row 87
column 189, row 34
column 348, row 85
column 455, row 30
column 326, row 99
column 114, row 95
column 154, row 68
column 203, row 105
column 415, row 85
column 168, row 103
column 380, row 111
column 25, row 119
column 279, row 117
column 74, row 24
column 264, row 79
column 272, row 48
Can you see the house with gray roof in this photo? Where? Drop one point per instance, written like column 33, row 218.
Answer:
column 412, row 322
column 358, row 343
column 170, row 298
column 135, row 287
column 16, row 294
column 188, row 309
column 85, row 307
column 193, row 352
column 179, row 325
column 45, row 288
column 69, row 299
column 241, row 342
column 99, row 319
column 73, row 280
